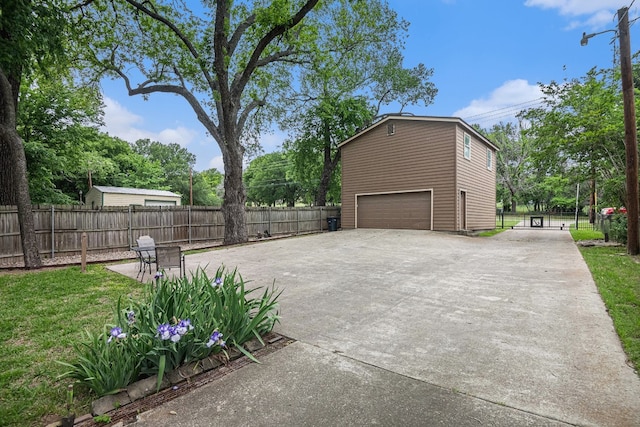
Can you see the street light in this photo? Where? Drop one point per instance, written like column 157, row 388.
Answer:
column 630, row 131
column 585, row 37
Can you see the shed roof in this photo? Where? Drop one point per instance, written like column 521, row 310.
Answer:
column 437, row 119
column 136, row 191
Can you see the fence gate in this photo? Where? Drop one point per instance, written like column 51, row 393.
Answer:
column 544, row 220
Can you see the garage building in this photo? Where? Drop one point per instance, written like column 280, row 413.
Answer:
column 418, row 172
column 100, row 195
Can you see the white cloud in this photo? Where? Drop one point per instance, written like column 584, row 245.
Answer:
column 502, row 104
column 578, row 7
column 594, row 13
column 272, row 141
column 129, row 126
column 217, row 163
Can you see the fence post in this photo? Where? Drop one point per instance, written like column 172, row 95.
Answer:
column 83, row 257
column 53, row 233
column 321, row 219
column 130, row 230
column 189, row 221
column 269, row 219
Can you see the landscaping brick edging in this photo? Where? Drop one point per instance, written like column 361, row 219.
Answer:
column 141, row 395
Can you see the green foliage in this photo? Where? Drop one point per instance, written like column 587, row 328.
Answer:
column 228, row 60
column 32, row 36
column 618, row 230
column 268, row 181
column 354, row 69
column 315, row 152
column 579, row 132
column 175, row 163
column 103, row 366
column 102, row 418
column 208, row 188
column 57, row 122
column 171, row 325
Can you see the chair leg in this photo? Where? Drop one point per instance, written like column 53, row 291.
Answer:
column 144, row 270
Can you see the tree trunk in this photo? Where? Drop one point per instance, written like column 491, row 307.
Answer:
column 14, row 187
column 329, row 166
column 235, row 197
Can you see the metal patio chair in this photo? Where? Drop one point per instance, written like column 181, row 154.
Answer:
column 146, row 254
column 169, row 257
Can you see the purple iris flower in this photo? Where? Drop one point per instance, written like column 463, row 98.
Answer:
column 183, row 327
column 216, row 338
column 164, row 331
column 117, row 333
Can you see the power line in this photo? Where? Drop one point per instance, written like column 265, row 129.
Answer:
column 504, row 112
column 509, row 107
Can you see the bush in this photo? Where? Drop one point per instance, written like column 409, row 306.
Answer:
column 618, row 232
column 177, row 321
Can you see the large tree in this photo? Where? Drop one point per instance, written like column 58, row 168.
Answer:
column 314, row 152
column 58, row 124
column 579, row 130
column 224, row 59
column 514, row 164
column 30, row 38
column 356, row 70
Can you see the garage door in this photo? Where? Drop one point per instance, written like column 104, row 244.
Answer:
column 397, row 210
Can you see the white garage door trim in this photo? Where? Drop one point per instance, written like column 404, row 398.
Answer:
column 430, row 190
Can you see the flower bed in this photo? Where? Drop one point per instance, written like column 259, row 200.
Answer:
column 177, row 322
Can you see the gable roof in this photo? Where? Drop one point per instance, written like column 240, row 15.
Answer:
column 136, row 191
column 436, row 119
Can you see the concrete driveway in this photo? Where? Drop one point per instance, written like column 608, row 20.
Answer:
column 430, row 328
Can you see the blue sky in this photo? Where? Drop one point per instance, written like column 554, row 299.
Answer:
column 488, row 57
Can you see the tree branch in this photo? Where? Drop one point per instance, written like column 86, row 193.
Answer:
column 248, row 109
column 239, row 32
column 190, row 47
column 201, row 114
column 264, row 42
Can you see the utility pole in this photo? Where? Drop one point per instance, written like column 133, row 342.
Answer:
column 630, row 133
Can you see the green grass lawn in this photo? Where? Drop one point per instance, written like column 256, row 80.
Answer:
column 617, row 276
column 44, row 314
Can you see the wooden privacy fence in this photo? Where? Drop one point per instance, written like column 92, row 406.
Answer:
column 115, row 228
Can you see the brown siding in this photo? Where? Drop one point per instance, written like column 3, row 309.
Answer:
column 478, row 182
column 420, row 155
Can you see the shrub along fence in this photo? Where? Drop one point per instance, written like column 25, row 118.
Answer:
column 59, row 229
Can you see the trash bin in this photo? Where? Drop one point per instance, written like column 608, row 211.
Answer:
column 605, row 225
column 332, row 223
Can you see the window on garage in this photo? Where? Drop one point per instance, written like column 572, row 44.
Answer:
column 467, row 146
